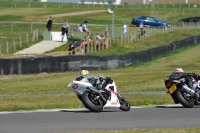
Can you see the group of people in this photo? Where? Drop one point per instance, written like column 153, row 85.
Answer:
column 83, row 44
column 99, row 39
column 73, row 45
column 65, row 27
column 82, row 27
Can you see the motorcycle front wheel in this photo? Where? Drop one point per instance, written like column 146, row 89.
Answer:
column 90, row 102
column 184, row 100
column 124, row 105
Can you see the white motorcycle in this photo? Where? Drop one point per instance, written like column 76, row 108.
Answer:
column 96, row 100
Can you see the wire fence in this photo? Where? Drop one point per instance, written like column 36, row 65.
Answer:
column 32, row 31
column 102, row 4
column 133, row 34
column 115, row 1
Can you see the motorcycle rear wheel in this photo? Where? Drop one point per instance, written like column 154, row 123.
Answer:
column 124, row 105
column 89, row 101
column 181, row 97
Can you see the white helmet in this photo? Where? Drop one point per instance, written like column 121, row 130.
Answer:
column 179, row 70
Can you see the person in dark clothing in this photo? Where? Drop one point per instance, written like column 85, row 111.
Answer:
column 49, row 23
column 65, row 27
column 97, row 81
column 72, row 48
column 188, row 78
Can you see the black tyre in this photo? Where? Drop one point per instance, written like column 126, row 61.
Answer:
column 94, row 105
column 181, row 96
column 79, row 97
column 124, row 105
column 196, row 102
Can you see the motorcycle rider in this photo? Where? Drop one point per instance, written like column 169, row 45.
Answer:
column 188, row 78
column 99, row 82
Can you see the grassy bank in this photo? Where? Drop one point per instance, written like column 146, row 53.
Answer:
column 36, row 12
column 35, row 91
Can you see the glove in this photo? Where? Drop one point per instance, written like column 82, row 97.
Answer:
column 109, row 80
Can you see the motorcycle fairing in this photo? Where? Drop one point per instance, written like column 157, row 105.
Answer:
column 81, row 86
column 113, row 102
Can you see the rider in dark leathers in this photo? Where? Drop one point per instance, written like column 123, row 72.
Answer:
column 188, row 78
column 99, row 82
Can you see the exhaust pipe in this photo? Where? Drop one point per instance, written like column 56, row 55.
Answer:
column 192, row 92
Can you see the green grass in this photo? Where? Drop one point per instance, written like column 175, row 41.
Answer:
column 25, row 91
column 38, row 12
column 33, row 102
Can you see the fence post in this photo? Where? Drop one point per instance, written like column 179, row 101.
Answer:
column 33, row 36
column 88, row 47
column 106, row 42
column 31, row 27
column 36, row 34
column 80, row 50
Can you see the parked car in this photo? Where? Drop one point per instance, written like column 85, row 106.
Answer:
column 149, row 22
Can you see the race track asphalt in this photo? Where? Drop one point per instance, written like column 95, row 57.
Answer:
column 82, row 120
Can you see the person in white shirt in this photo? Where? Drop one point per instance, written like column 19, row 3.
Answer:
column 85, row 26
column 124, row 29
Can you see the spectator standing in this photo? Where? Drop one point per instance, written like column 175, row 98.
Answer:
column 105, row 37
column 124, row 29
column 97, row 42
column 85, row 26
column 85, row 42
column 49, row 23
column 65, row 28
column 142, row 31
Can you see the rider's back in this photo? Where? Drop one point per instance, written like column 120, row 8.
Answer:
column 87, row 78
column 177, row 75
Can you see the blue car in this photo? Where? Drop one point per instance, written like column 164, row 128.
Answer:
column 149, row 22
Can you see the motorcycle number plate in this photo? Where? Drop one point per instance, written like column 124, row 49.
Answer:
column 172, row 88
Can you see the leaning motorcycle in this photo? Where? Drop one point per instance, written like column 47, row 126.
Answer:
column 181, row 93
column 96, row 100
